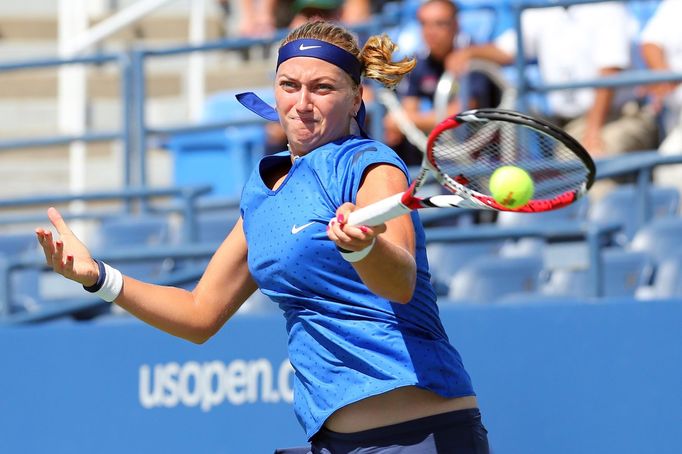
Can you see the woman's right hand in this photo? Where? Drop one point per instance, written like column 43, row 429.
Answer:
column 67, row 255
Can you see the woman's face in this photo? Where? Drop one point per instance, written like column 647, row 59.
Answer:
column 315, row 102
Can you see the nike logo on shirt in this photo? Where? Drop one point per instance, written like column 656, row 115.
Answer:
column 302, row 47
column 295, row 230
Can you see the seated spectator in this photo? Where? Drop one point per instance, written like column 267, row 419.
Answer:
column 661, row 43
column 440, row 32
column 572, row 44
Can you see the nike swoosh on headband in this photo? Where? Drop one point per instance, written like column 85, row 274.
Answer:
column 302, row 47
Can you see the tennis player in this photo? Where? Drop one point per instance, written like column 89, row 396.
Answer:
column 375, row 371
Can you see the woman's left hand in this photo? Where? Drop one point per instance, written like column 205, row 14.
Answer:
column 348, row 237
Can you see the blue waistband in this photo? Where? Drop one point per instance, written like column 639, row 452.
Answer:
column 426, row 425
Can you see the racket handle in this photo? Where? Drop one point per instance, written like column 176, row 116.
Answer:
column 379, row 212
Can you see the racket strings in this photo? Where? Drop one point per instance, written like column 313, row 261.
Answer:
column 466, row 156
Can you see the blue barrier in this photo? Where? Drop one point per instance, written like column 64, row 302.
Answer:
column 560, row 378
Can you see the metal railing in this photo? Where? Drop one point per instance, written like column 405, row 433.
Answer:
column 135, row 134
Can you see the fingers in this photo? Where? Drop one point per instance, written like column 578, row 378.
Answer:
column 45, row 241
column 352, row 238
column 54, row 253
column 58, row 257
column 58, row 222
column 68, row 266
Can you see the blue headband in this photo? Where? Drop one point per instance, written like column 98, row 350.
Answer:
column 308, row 48
column 324, row 51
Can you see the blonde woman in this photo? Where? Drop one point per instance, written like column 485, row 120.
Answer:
column 375, row 371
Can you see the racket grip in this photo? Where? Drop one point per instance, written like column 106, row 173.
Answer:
column 379, row 212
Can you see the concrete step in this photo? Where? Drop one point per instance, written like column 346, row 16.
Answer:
column 157, row 26
column 42, row 171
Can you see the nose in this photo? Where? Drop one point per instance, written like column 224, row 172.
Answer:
column 304, row 100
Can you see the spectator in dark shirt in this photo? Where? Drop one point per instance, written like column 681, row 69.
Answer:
column 441, row 35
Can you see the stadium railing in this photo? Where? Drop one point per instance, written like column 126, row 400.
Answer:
column 182, row 200
column 136, row 132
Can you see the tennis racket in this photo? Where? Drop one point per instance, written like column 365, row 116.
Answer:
column 464, row 150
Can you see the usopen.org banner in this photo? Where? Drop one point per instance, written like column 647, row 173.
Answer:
column 119, row 386
column 213, row 383
column 75, row 387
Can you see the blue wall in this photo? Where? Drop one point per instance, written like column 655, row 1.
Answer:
column 552, row 378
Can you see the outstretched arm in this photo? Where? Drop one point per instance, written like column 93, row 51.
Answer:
column 195, row 315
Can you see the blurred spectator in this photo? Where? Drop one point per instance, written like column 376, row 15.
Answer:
column 571, row 44
column 305, row 10
column 256, row 18
column 662, row 50
column 443, row 40
column 359, row 11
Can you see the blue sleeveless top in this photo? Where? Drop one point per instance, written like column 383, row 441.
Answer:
column 345, row 343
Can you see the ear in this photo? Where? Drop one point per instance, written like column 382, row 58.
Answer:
column 357, row 101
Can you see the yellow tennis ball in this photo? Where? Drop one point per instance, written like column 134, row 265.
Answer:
column 511, row 186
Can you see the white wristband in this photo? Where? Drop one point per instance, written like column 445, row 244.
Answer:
column 356, row 256
column 109, row 284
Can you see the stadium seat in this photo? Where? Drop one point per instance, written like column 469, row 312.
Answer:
column 224, row 157
column 447, row 259
column 128, row 232
column 213, row 227
column 17, row 244
column 19, row 286
column 660, row 238
column 24, row 282
column 133, row 230
column 667, row 282
column 571, row 213
column 623, row 273
column 523, row 247
column 482, row 22
column 487, row 279
column 619, row 205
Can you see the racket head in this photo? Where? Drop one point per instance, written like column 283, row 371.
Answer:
column 464, row 150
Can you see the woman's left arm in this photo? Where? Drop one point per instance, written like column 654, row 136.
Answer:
column 389, row 270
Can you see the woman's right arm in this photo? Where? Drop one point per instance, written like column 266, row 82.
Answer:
column 195, row 315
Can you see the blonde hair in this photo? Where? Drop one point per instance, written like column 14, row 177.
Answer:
column 375, row 57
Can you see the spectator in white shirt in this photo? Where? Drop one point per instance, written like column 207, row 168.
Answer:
column 661, row 43
column 581, row 42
